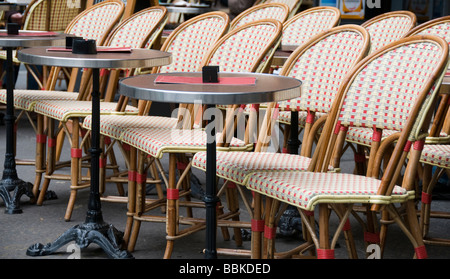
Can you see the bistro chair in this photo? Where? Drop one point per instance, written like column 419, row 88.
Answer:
column 278, row 11
column 389, row 27
column 348, row 44
column 359, row 138
column 360, row 106
column 132, row 32
column 298, row 29
column 44, row 15
column 294, row 5
column 105, row 16
column 188, row 43
column 254, row 40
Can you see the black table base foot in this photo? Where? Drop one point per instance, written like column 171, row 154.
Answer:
column 102, row 234
column 11, row 190
column 290, row 223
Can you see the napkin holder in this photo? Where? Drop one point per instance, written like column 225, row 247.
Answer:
column 70, row 39
column 210, row 74
column 84, row 47
column 13, row 28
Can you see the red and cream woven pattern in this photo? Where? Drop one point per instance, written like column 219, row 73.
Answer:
column 100, row 18
column 441, row 30
column 274, row 12
column 115, row 125
column 191, row 45
column 240, row 52
column 25, row 99
column 298, row 31
column 322, row 68
column 237, row 166
column 364, row 136
column 60, row 15
column 156, row 142
column 436, row 155
column 62, row 110
column 306, row 189
column 134, row 32
column 388, row 30
column 292, row 4
column 378, row 97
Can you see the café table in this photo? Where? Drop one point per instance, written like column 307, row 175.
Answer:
column 265, row 88
column 94, row 229
column 10, row 181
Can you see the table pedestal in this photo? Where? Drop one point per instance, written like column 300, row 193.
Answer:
column 10, row 181
column 94, row 229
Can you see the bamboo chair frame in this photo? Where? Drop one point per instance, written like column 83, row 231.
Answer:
column 414, row 131
column 76, row 177
column 172, row 218
column 266, row 128
column 294, row 5
column 129, row 152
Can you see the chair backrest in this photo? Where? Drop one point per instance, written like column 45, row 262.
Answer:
column 306, row 24
column 140, row 29
column 293, row 5
column 322, row 64
column 243, row 48
column 278, row 11
column 49, row 15
column 191, row 40
column 97, row 21
column 394, row 88
column 389, row 27
column 438, row 26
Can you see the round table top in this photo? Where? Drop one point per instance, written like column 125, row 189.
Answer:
column 136, row 58
column 266, row 88
column 29, row 40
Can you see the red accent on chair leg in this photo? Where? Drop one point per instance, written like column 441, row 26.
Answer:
column 173, row 194
column 426, row 198
column 181, row 166
column 371, row 237
column 102, row 162
column 257, row 225
column 270, row 233
column 41, row 138
column 51, row 142
column 76, row 152
column 141, row 178
column 231, row 185
column 131, row 176
column 325, row 253
column 347, row 226
column 421, row 252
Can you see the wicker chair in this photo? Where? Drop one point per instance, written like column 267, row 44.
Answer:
column 133, row 32
column 293, row 5
column 359, row 139
column 278, row 11
column 350, row 43
column 45, row 15
column 259, row 36
column 187, row 55
column 300, row 28
column 389, row 27
column 360, row 107
column 104, row 16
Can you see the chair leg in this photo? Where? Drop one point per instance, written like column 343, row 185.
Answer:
column 172, row 208
column 324, row 251
column 131, row 195
column 51, row 158
column 74, row 168
column 257, row 227
column 41, row 140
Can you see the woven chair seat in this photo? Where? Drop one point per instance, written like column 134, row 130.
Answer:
column 115, row 125
column 436, row 155
column 63, row 110
column 26, row 99
column 237, row 166
column 14, row 54
column 156, row 141
column 363, row 136
column 306, row 189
